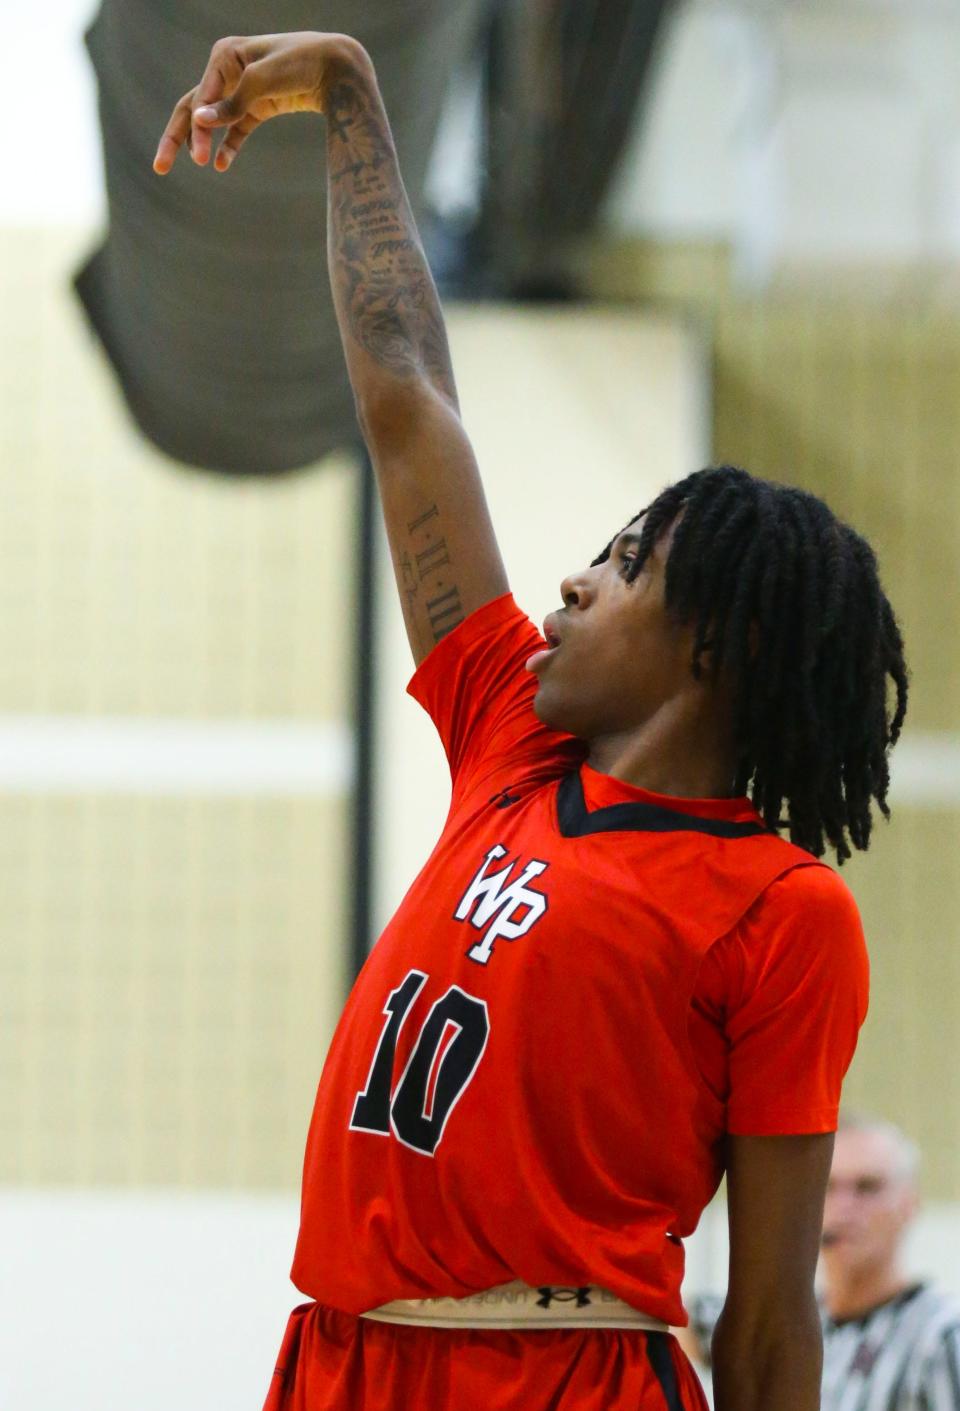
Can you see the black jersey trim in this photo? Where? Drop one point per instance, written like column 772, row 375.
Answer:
column 576, row 822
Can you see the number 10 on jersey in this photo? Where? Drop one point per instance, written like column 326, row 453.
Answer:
column 444, row 1058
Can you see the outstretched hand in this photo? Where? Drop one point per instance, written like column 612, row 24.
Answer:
column 247, row 81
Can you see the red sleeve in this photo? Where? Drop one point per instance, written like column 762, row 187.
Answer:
column 789, row 985
column 474, row 688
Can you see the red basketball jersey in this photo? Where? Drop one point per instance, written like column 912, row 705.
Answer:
column 535, row 1069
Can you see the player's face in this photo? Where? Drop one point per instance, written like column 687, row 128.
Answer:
column 870, row 1202
column 615, row 654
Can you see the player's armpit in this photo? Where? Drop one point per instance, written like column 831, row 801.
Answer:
column 767, row 1348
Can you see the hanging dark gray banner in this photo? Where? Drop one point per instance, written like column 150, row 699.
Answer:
column 209, row 292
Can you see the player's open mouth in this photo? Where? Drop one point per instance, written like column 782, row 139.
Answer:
column 552, row 638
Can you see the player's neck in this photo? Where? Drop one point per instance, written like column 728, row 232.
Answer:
column 849, row 1294
column 681, row 751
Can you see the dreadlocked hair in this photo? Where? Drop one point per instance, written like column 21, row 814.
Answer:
column 787, row 602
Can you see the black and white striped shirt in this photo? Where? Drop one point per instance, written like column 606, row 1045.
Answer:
column 903, row 1355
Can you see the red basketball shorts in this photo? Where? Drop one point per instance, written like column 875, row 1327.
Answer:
column 332, row 1361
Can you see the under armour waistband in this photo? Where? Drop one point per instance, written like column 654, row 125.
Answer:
column 520, row 1307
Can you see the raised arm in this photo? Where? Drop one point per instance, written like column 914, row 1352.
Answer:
column 444, row 551
column 445, row 555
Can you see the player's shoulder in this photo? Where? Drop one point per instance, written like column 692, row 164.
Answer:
column 805, row 923
column 809, row 892
column 803, row 930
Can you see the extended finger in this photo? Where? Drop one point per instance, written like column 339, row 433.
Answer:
column 221, row 77
column 234, row 140
column 175, row 134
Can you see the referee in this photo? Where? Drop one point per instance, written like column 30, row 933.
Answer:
column 890, row 1343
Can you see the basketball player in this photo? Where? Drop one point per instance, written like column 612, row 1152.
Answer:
column 613, row 979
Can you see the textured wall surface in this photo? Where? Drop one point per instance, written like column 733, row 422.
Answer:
column 171, row 964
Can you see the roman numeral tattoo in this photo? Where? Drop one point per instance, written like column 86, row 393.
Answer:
column 445, row 613
column 432, row 559
column 422, row 519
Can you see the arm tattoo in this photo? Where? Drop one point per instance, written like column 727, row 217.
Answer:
column 380, row 275
column 428, row 569
column 409, row 590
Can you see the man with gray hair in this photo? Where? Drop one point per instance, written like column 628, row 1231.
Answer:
column 890, row 1342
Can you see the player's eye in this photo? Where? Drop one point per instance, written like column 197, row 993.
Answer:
column 626, row 562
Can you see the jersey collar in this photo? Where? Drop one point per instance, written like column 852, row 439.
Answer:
column 641, row 812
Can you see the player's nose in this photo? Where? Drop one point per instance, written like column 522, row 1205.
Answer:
column 576, row 589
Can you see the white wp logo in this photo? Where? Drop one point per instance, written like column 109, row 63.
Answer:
column 499, row 907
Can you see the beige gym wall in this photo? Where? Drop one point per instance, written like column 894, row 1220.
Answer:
column 172, row 959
